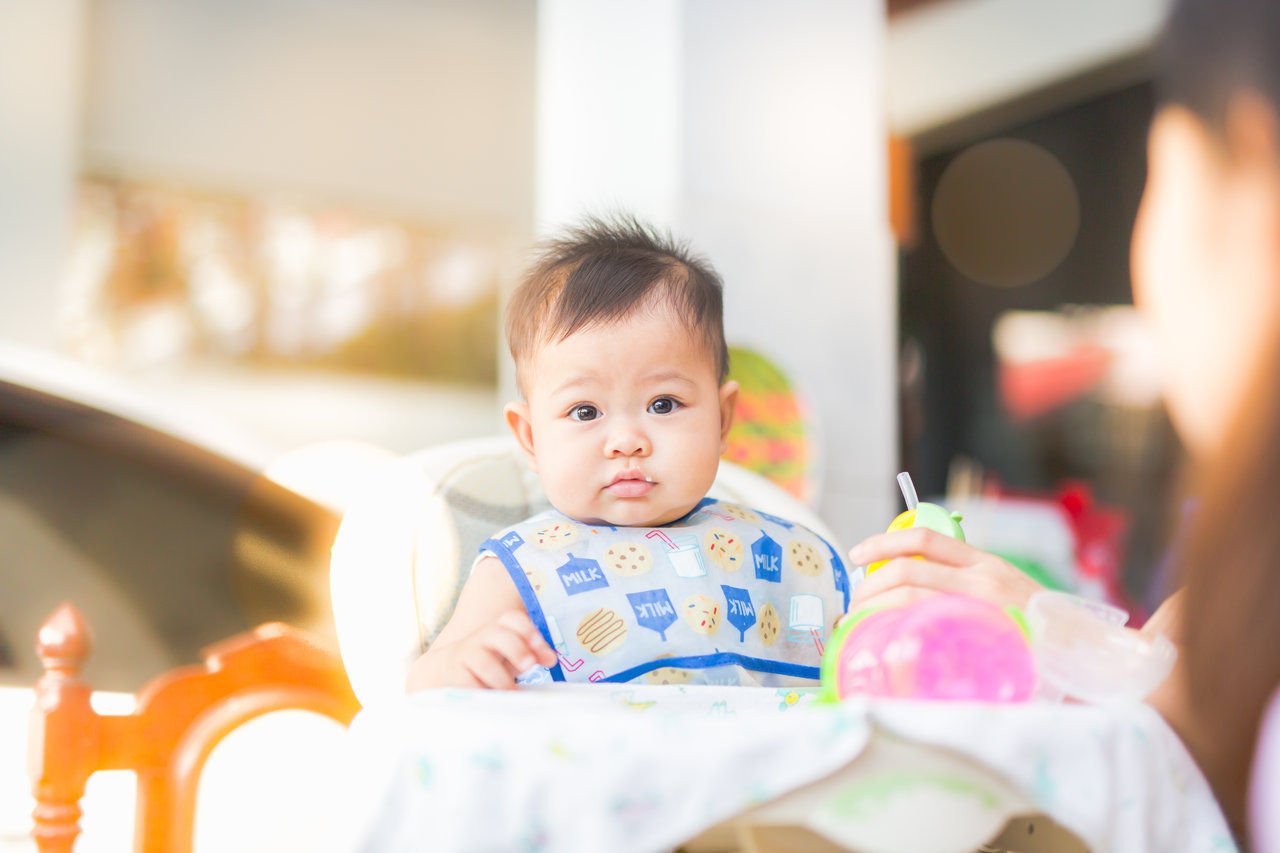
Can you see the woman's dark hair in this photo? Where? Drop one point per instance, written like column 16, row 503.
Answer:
column 1213, row 49
column 1231, row 613
column 604, row 270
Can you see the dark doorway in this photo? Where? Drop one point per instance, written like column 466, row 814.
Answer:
column 952, row 404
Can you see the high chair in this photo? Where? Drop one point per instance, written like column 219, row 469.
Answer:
column 405, row 549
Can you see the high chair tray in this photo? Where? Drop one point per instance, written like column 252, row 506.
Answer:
column 651, row 768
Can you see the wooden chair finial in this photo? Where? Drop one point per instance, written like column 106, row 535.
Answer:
column 63, row 734
column 64, row 641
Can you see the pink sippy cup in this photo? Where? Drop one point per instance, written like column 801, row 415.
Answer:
column 946, row 647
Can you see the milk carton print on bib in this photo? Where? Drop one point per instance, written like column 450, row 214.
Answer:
column 725, row 595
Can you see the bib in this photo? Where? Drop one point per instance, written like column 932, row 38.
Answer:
column 725, row 595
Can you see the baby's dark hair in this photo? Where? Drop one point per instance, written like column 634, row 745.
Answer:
column 604, row 270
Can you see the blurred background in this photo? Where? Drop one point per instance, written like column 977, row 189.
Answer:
column 253, row 250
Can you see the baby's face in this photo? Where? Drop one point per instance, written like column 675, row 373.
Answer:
column 625, row 422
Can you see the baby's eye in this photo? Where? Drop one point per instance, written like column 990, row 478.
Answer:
column 664, row 405
column 584, row 412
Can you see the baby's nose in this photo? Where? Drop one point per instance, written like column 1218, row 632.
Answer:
column 628, row 441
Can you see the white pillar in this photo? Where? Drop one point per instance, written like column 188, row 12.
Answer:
column 608, row 110
column 785, row 186
column 41, row 47
column 754, row 128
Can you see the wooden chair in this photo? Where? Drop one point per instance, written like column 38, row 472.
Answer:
column 180, row 717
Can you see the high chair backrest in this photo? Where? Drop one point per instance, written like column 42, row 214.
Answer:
column 405, row 549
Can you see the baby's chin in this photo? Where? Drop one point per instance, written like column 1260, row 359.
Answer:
column 633, row 516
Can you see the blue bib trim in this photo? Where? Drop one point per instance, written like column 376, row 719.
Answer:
column 719, row 659
column 527, row 595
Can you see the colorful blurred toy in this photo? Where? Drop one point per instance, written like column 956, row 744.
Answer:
column 772, row 433
column 921, row 514
column 944, row 647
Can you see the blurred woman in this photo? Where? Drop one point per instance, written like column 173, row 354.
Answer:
column 1206, row 276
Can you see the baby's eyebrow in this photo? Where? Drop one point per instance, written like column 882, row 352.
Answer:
column 668, row 375
column 575, row 381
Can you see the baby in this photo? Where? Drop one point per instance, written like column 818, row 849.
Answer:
column 618, row 341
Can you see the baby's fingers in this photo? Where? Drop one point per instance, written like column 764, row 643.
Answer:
column 489, row 668
column 916, row 541
column 513, row 647
column 519, row 623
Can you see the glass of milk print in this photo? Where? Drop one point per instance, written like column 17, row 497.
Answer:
column 806, row 618
column 553, row 628
column 684, row 552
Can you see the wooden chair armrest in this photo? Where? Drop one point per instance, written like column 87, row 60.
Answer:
column 180, row 717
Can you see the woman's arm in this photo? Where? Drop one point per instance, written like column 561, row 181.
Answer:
column 1171, row 698
column 948, row 565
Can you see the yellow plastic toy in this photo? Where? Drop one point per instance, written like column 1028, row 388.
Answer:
column 921, row 514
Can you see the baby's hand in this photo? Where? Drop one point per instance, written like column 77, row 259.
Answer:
column 493, row 655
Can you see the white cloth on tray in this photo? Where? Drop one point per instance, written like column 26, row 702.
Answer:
column 645, row 767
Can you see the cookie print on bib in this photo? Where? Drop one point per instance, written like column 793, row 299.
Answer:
column 628, row 559
column 702, row 612
column 805, row 559
column 741, row 513
column 557, row 534
column 724, row 549
column 668, row 675
column 770, row 624
column 601, row 631
column 537, row 579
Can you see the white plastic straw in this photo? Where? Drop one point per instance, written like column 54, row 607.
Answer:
column 908, row 490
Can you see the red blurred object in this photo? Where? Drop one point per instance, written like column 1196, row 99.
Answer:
column 1032, row 388
column 1101, row 537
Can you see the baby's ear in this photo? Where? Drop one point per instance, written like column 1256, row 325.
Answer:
column 728, row 404
column 521, row 426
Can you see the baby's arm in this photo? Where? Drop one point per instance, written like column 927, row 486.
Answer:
column 488, row 641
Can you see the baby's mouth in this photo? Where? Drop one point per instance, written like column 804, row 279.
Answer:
column 631, row 483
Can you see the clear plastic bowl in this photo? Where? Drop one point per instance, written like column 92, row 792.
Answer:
column 1083, row 649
